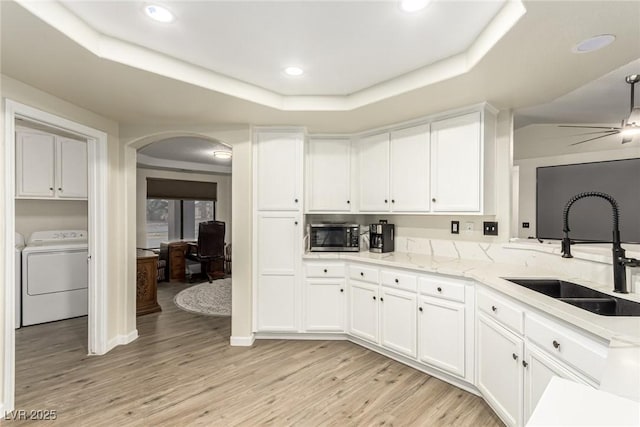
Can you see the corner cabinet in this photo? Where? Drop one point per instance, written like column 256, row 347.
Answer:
column 277, row 230
column 50, row 166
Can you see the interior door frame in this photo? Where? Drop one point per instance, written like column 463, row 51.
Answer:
column 97, row 228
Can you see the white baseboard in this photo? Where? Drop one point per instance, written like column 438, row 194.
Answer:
column 320, row 336
column 242, row 341
column 122, row 340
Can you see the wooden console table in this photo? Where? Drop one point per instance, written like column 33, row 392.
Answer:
column 146, row 282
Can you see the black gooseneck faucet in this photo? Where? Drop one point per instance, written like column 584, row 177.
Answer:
column 620, row 261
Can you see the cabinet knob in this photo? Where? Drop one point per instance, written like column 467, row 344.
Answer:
column 51, row 188
column 348, row 201
column 515, row 356
column 325, row 270
column 420, row 309
column 381, row 299
column 556, row 344
column 393, row 201
column 374, row 298
column 295, row 223
column 296, row 200
column 362, row 273
column 525, row 364
column 494, row 308
column 439, row 289
column 386, row 201
column 341, row 290
column 433, row 200
column 397, row 281
column 59, row 188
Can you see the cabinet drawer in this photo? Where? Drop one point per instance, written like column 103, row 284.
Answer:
column 325, row 270
column 400, row 280
column 581, row 352
column 503, row 311
column 442, row 288
column 364, row 274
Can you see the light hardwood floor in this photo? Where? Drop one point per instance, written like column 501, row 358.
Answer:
column 182, row 371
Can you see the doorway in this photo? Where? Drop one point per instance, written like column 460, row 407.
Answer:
column 97, row 232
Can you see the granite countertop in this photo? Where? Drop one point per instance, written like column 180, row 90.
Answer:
column 621, row 331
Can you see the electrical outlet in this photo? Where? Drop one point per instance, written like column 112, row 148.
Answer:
column 455, row 227
column 525, row 225
column 490, row 228
column 468, row 226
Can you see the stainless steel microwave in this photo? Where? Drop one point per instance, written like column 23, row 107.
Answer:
column 334, row 237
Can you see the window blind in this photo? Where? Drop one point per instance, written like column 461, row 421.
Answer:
column 174, row 189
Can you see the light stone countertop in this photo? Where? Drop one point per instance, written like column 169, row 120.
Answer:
column 621, row 331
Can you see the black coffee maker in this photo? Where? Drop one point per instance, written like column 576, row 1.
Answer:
column 381, row 237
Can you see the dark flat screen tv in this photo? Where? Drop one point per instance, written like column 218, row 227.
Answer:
column 590, row 218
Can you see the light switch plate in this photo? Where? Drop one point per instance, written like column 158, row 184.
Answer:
column 455, row 227
column 490, row 228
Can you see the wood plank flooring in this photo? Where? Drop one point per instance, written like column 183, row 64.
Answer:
column 182, row 371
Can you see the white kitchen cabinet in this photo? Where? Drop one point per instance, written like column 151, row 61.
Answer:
column 328, row 175
column 442, row 334
column 49, row 166
column 500, row 376
column 374, row 173
column 463, row 163
column 363, row 310
column 279, row 170
column 410, row 170
column 398, row 321
column 279, row 248
column 325, row 305
column 539, row 369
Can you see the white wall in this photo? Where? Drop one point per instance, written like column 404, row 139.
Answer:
column 223, row 205
column 550, row 155
column 39, row 215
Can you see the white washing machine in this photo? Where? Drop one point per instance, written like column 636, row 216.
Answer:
column 19, row 246
column 55, row 276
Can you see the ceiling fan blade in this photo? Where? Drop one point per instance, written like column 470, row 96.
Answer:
column 627, row 139
column 593, row 139
column 595, row 133
column 588, row 127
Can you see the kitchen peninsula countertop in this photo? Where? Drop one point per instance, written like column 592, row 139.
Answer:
column 620, row 331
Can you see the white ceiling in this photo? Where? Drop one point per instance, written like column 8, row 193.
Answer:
column 530, row 65
column 186, row 149
column 343, row 47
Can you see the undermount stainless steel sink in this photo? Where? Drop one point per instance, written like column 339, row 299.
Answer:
column 581, row 296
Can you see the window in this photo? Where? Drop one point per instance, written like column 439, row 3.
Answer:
column 176, row 219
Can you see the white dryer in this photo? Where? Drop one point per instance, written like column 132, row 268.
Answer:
column 55, row 276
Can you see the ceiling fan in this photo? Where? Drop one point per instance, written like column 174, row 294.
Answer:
column 628, row 128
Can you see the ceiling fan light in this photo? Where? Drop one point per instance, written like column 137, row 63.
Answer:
column 593, row 43
column 634, row 117
column 630, row 130
column 413, row 5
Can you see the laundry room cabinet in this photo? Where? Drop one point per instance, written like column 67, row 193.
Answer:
column 50, row 166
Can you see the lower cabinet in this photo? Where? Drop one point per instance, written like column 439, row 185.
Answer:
column 277, row 303
column 363, row 310
column 499, row 356
column 398, row 321
column 325, row 305
column 441, row 326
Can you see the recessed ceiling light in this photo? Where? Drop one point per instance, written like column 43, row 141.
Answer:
column 413, row 5
column 593, row 43
column 222, row 155
column 158, row 13
column 293, row 71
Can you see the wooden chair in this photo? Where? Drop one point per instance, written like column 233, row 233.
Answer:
column 209, row 249
column 227, row 259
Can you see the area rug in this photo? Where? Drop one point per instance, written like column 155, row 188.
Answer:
column 211, row 299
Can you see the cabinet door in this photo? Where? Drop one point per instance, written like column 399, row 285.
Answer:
column 442, row 334
column 279, row 171
column 410, row 170
column 35, row 159
column 374, row 173
column 325, row 305
column 363, row 301
column 71, row 168
column 329, row 175
column 456, row 159
column 398, row 312
column 278, row 252
column 539, row 369
column 500, row 377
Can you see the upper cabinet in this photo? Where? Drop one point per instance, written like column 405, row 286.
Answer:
column 279, row 171
column 328, row 175
column 442, row 166
column 374, row 173
column 50, row 166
